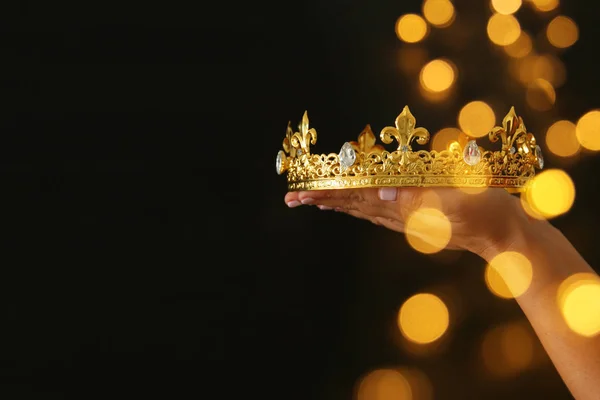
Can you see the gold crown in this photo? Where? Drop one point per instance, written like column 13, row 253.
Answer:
column 364, row 163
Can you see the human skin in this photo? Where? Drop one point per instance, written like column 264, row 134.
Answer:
column 488, row 224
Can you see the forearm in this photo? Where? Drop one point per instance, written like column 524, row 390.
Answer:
column 553, row 259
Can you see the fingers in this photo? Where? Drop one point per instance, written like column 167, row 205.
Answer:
column 389, row 203
column 366, row 201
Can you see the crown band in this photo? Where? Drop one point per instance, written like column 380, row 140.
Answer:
column 364, row 163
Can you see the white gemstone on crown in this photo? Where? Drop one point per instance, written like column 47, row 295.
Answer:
column 279, row 162
column 539, row 156
column 347, row 156
column 471, row 153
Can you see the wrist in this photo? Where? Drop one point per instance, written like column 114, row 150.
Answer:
column 517, row 233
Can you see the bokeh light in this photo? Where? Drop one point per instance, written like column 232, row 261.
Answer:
column 506, row 7
column 579, row 300
column 411, row 28
column 439, row 13
column 562, row 32
column 508, row 349
column 428, row 230
column 540, row 95
column 423, row 318
column 587, row 130
column 384, row 384
column 443, row 138
column 545, row 5
column 412, row 58
column 540, row 66
column 476, row 119
column 549, row 194
column 437, row 76
column 508, row 275
column 561, row 139
column 503, row 29
column 521, row 47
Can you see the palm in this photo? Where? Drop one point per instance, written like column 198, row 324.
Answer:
column 476, row 219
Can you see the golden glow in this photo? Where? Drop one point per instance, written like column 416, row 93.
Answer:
column 420, row 384
column 508, row 349
column 540, row 66
column 561, row 139
column 508, row 275
column 411, row 58
column 384, row 384
column 438, row 13
column 428, row 230
column 562, row 32
column 551, row 193
column 444, row 138
column 579, row 300
column 503, row 29
column 588, row 130
column 423, row 318
column 521, row 47
column 506, row 7
column 476, row 119
column 437, row 76
column 411, row 28
column 473, row 190
column 540, row 95
column 545, row 5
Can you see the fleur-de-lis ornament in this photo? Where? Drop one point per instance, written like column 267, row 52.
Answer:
column 287, row 141
column 513, row 134
column 366, row 142
column 405, row 132
column 516, row 139
column 306, row 136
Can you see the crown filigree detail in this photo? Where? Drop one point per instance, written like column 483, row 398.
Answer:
column 366, row 163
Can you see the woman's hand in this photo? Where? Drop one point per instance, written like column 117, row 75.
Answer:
column 482, row 223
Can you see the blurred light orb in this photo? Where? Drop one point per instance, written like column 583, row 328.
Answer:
column 540, row 95
column 476, row 119
column 508, row 349
column 521, row 47
column 508, row 275
column 503, row 29
column 579, row 301
column 545, row 5
column 550, row 193
column 420, row 384
column 384, row 384
column 562, row 32
column 541, row 66
column 506, row 7
column 437, row 76
column 411, row 28
column 587, row 130
column 412, row 58
column 561, row 139
column 445, row 137
column 439, row 13
column 423, row 318
column 428, row 230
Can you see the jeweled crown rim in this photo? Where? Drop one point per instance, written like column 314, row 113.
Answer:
column 365, row 163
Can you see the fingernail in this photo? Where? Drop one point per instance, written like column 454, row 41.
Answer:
column 308, row 200
column 388, row 194
column 322, row 207
column 293, row 203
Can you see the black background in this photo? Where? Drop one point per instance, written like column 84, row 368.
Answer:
column 146, row 246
